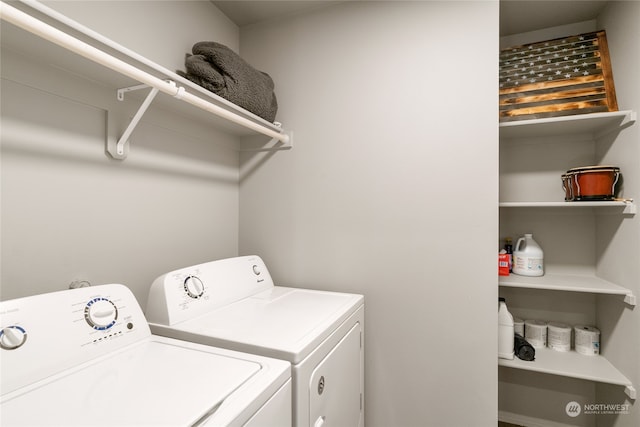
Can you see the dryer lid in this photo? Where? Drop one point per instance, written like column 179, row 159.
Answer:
column 281, row 322
column 152, row 383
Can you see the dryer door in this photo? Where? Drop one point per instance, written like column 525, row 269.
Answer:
column 335, row 388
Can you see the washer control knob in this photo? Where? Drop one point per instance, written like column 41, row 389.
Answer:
column 100, row 313
column 12, row 337
column 193, row 286
column 256, row 270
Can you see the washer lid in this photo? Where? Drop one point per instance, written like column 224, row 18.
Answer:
column 153, row 383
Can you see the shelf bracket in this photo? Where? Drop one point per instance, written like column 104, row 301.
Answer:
column 630, row 391
column 118, row 152
column 630, row 299
column 257, row 144
column 630, row 208
column 629, row 119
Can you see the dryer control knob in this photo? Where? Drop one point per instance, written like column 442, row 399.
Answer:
column 12, row 337
column 256, row 270
column 193, row 286
column 100, row 313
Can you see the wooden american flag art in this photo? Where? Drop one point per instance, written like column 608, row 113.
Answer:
column 560, row 77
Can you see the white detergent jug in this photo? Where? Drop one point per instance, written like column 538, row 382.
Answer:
column 528, row 257
column 505, row 331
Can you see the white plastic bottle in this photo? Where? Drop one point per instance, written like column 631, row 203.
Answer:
column 505, row 331
column 528, row 257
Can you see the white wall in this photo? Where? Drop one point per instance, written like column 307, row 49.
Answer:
column 69, row 211
column 390, row 191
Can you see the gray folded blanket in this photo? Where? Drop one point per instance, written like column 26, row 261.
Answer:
column 219, row 69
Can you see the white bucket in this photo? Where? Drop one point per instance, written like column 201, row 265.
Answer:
column 518, row 326
column 587, row 340
column 535, row 332
column 559, row 336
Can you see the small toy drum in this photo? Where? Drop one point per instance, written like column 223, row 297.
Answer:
column 591, row 183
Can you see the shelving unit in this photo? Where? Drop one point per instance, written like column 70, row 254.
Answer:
column 570, row 364
column 57, row 41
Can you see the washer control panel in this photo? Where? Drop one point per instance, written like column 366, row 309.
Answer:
column 48, row 333
column 12, row 337
column 100, row 313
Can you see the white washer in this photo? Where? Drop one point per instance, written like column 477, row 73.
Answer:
column 233, row 303
column 86, row 357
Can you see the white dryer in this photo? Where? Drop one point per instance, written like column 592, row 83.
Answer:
column 86, row 357
column 233, row 303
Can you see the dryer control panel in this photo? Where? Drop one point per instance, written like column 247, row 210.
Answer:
column 65, row 329
column 189, row 292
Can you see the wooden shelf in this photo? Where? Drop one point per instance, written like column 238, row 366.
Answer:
column 574, row 365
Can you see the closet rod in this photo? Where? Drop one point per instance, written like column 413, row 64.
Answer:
column 47, row 32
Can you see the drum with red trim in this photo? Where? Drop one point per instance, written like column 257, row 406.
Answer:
column 591, row 183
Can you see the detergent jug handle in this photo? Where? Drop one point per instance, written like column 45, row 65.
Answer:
column 517, row 248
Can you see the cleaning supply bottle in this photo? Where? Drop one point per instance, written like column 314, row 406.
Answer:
column 528, row 257
column 508, row 247
column 505, row 331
